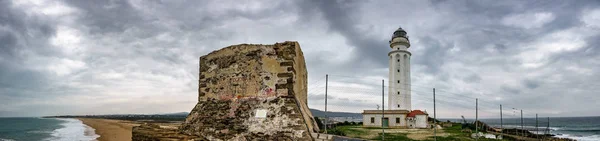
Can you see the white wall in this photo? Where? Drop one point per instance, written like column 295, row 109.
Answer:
column 377, row 123
column 399, row 77
column 421, row 121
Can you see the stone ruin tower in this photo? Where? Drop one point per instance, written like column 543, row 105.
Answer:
column 252, row 92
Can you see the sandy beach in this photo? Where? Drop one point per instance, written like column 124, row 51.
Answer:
column 110, row 130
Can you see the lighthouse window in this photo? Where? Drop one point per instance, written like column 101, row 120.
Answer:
column 398, row 81
column 398, row 92
column 398, row 70
column 398, row 105
column 398, row 60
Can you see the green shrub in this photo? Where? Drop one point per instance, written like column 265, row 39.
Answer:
column 336, row 131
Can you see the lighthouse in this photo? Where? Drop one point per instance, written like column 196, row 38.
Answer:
column 399, row 72
column 399, row 113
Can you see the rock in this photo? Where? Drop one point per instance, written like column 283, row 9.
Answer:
column 252, row 92
column 153, row 132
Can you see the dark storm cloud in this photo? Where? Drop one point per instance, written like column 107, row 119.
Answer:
column 436, row 53
column 339, row 18
column 107, row 53
column 473, row 78
column 116, row 16
column 20, row 34
column 21, row 31
column 108, row 16
column 531, row 84
column 319, row 97
column 16, row 78
column 8, row 46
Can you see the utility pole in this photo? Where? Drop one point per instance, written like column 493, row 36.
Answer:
column 536, row 126
column 326, row 117
column 522, row 133
column 382, row 109
column 476, row 119
column 516, row 120
column 501, row 123
column 434, row 118
column 548, row 127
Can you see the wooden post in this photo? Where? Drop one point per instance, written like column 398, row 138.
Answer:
column 326, row 117
column 382, row 109
column 434, row 118
column 522, row 132
column 476, row 119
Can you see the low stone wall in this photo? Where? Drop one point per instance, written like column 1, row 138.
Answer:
column 329, row 137
column 153, row 132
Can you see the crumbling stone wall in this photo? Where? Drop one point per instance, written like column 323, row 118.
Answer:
column 238, row 83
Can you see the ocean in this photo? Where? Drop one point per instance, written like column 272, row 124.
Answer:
column 579, row 128
column 45, row 129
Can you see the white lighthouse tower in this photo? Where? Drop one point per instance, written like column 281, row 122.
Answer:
column 399, row 113
column 399, row 81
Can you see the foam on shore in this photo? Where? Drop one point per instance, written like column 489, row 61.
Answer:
column 580, row 138
column 73, row 130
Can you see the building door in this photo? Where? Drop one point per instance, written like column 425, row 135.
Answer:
column 386, row 122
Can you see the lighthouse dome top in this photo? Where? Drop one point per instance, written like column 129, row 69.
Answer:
column 399, row 37
column 399, row 33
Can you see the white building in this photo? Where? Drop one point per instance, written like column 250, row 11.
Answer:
column 399, row 113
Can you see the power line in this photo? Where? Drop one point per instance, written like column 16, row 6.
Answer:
column 446, row 97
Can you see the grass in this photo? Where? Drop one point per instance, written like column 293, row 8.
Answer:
column 458, row 135
column 353, row 130
column 357, row 131
column 403, row 137
column 455, row 129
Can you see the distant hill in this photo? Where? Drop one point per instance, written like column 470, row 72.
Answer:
column 319, row 113
column 180, row 113
column 166, row 117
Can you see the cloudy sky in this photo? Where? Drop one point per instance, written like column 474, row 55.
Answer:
column 117, row 57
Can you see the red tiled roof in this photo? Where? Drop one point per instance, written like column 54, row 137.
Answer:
column 415, row 112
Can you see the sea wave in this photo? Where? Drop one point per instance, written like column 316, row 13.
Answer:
column 583, row 130
column 556, row 128
column 580, row 129
column 530, row 128
column 581, row 138
column 1, row 139
column 39, row 132
column 73, row 130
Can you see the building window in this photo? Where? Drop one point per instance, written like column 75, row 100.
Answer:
column 398, row 70
column 397, row 120
column 398, row 81
column 372, row 120
column 398, row 105
column 398, row 92
column 398, row 60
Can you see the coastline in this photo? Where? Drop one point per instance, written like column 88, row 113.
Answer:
column 110, row 130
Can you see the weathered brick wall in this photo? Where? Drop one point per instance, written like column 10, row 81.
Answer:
column 237, row 81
